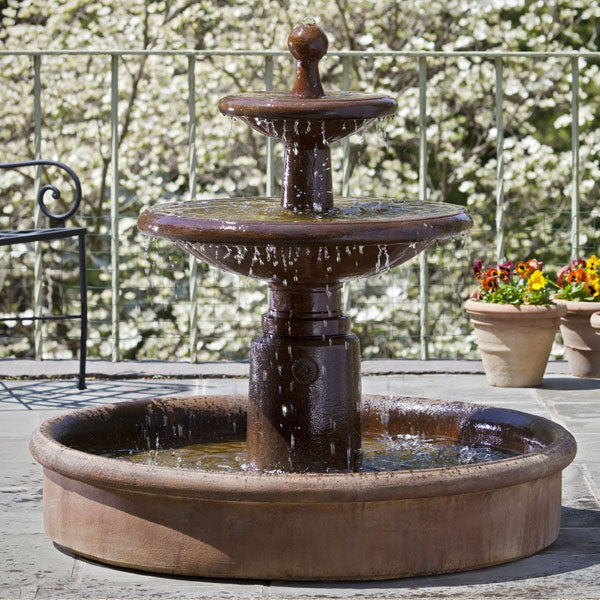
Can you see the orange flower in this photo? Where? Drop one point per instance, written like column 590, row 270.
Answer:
column 535, row 265
column 577, row 276
column 490, row 282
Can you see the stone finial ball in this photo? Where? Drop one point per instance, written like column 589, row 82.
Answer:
column 308, row 42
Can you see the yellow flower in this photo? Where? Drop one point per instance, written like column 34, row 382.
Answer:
column 592, row 264
column 592, row 287
column 537, row 281
column 522, row 269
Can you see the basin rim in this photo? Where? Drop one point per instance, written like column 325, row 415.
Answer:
column 338, row 106
column 362, row 232
column 302, row 487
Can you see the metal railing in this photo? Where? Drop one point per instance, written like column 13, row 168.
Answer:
column 421, row 65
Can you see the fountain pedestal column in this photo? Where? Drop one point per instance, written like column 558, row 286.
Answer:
column 306, row 182
column 304, row 403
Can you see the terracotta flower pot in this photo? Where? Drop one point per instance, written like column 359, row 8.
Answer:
column 514, row 341
column 595, row 322
column 582, row 345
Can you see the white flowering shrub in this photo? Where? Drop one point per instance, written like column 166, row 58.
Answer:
column 153, row 154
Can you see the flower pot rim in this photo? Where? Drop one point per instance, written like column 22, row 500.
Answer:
column 531, row 311
column 579, row 305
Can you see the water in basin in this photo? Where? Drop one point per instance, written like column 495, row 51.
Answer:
column 380, row 453
column 269, row 209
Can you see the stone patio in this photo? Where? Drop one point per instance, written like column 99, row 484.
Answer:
column 32, row 567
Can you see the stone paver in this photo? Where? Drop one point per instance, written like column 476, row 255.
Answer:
column 32, row 567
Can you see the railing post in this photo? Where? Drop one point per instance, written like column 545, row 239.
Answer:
column 423, row 270
column 38, row 271
column 346, row 169
column 574, row 158
column 114, row 205
column 270, row 185
column 192, row 185
column 499, row 165
column 346, row 141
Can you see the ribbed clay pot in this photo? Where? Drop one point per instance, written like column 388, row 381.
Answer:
column 595, row 322
column 582, row 345
column 514, row 341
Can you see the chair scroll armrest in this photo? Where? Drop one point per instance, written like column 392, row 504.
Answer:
column 60, row 218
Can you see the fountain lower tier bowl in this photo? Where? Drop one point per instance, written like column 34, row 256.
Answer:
column 304, row 526
column 256, row 237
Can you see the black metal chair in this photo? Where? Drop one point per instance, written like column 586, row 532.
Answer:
column 22, row 236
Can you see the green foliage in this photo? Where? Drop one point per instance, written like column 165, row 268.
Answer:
column 580, row 292
column 153, row 152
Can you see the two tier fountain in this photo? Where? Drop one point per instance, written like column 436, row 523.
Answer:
column 310, row 502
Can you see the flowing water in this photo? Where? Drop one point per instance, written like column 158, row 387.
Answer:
column 380, row 453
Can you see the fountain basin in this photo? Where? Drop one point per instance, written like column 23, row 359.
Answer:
column 300, row 526
column 256, row 237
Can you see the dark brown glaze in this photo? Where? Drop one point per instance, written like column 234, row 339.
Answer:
column 165, row 222
column 308, row 45
column 306, row 184
column 304, row 400
column 307, row 120
column 335, row 106
column 303, row 412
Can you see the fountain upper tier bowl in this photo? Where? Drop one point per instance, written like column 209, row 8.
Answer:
column 307, row 115
column 315, row 122
column 256, row 237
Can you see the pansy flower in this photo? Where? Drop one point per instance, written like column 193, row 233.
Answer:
column 592, row 287
column 522, row 269
column 504, row 269
column 537, row 281
column 562, row 273
column 535, row 265
column 490, row 283
column 592, row 264
column 576, row 276
column 507, row 284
